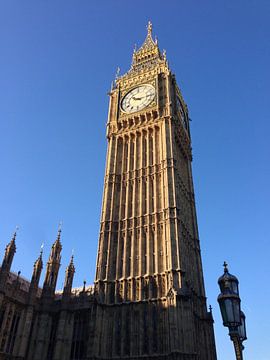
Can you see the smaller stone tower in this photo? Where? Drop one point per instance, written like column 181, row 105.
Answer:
column 53, row 266
column 70, row 271
column 38, row 266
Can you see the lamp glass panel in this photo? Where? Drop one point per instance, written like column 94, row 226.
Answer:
column 236, row 310
column 234, row 287
column 223, row 312
column 242, row 328
column 229, row 310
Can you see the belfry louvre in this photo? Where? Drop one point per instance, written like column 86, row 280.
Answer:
column 148, row 299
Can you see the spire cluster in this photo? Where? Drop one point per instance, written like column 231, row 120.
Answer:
column 52, row 270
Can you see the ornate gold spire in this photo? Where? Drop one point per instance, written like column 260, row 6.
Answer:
column 148, row 54
column 149, row 42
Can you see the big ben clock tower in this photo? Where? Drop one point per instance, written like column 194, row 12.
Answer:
column 149, row 286
column 148, row 300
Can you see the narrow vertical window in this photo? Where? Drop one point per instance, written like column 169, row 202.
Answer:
column 2, row 314
column 151, row 154
column 131, row 153
column 155, row 328
column 52, row 337
column 145, row 332
column 145, row 150
column 126, row 155
column 157, row 145
column 13, row 332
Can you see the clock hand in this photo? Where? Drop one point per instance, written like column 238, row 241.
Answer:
column 134, row 98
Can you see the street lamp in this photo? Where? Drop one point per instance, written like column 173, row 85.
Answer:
column 232, row 316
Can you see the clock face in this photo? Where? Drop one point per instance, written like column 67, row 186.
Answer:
column 138, row 98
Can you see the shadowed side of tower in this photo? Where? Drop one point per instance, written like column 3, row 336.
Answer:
column 149, row 281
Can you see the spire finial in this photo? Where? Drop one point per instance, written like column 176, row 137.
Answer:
column 60, row 227
column 15, row 233
column 41, row 253
column 149, row 28
column 225, row 267
column 164, row 55
column 59, row 231
column 71, row 259
column 117, row 73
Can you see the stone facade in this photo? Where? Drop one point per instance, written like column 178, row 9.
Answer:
column 148, row 299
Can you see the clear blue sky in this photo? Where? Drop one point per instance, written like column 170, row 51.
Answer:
column 57, row 60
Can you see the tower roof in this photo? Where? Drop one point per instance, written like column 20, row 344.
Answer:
column 148, row 54
column 149, row 43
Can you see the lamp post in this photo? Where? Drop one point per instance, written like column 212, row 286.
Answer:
column 232, row 316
